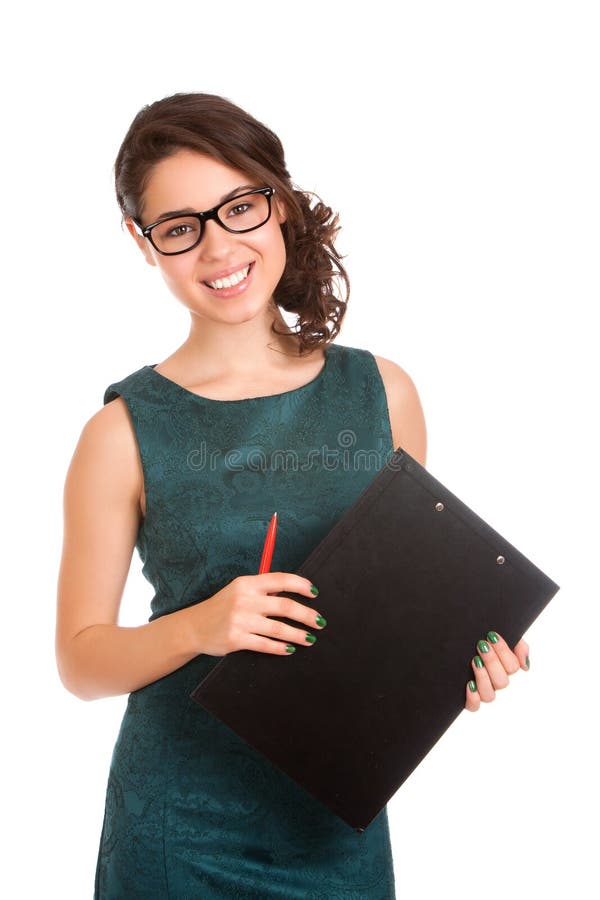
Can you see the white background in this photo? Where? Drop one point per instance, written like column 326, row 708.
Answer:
column 459, row 141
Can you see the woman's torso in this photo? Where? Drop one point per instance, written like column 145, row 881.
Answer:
column 191, row 809
column 297, row 373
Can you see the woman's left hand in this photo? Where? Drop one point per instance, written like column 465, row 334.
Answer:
column 493, row 663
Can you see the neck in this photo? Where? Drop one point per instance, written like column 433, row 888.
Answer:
column 241, row 349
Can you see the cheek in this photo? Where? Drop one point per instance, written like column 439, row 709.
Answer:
column 276, row 249
column 177, row 271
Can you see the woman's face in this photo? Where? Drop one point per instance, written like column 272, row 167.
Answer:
column 191, row 180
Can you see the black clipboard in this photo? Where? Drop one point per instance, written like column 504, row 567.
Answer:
column 409, row 580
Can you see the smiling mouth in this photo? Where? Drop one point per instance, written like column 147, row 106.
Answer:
column 232, row 280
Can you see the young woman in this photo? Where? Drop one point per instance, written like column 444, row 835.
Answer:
column 186, row 461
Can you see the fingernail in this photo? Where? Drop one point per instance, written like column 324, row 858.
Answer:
column 472, row 686
column 478, row 662
column 314, row 590
column 310, row 638
column 493, row 637
column 290, row 649
column 321, row 622
column 527, row 661
column 483, row 647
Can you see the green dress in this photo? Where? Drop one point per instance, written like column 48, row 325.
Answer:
column 192, row 812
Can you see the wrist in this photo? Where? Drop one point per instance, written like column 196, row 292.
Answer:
column 186, row 630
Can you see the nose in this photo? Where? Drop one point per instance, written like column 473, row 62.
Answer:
column 216, row 242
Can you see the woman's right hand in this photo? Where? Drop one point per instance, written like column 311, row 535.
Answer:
column 237, row 617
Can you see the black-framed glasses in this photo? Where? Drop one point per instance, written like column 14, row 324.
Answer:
column 178, row 234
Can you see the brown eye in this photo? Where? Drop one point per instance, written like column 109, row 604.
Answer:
column 179, row 230
column 239, row 209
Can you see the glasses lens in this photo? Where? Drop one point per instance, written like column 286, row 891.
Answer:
column 175, row 235
column 245, row 212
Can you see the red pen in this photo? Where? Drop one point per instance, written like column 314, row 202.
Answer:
column 269, row 546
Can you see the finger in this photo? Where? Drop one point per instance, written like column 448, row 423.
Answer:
column 294, row 610
column 521, row 651
column 266, row 645
column 482, row 680
column 493, row 666
column 272, row 582
column 272, row 628
column 509, row 661
column 473, row 701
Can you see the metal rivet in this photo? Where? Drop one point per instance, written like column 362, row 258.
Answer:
column 500, row 560
column 439, row 506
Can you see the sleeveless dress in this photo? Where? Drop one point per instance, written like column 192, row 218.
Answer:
column 192, row 812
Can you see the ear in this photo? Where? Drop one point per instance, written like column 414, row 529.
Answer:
column 141, row 241
column 280, row 211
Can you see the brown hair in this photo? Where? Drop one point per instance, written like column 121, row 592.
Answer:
column 309, row 286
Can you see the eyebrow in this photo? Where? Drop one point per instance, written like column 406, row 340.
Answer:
column 186, row 211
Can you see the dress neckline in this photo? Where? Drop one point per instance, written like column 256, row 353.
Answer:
column 178, row 387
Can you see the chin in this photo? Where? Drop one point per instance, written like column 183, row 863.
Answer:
column 230, row 311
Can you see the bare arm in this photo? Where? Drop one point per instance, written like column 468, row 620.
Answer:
column 406, row 413
column 95, row 656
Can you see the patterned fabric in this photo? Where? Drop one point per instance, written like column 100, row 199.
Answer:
column 192, row 811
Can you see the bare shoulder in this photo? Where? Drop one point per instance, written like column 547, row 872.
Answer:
column 101, row 522
column 405, row 410
column 111, row 429
column 107, row 453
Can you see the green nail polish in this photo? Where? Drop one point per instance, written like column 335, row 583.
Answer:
column 527, row 661
column 290, row 649
column 478, row 662
column 321, row 621
column 493, row 637
column 472, row 686
column 310, row 638
column 482, row 646
column 314, row 590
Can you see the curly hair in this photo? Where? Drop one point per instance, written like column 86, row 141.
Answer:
column 314, row 285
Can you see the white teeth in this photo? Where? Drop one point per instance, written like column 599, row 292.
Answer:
column 231, row 280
